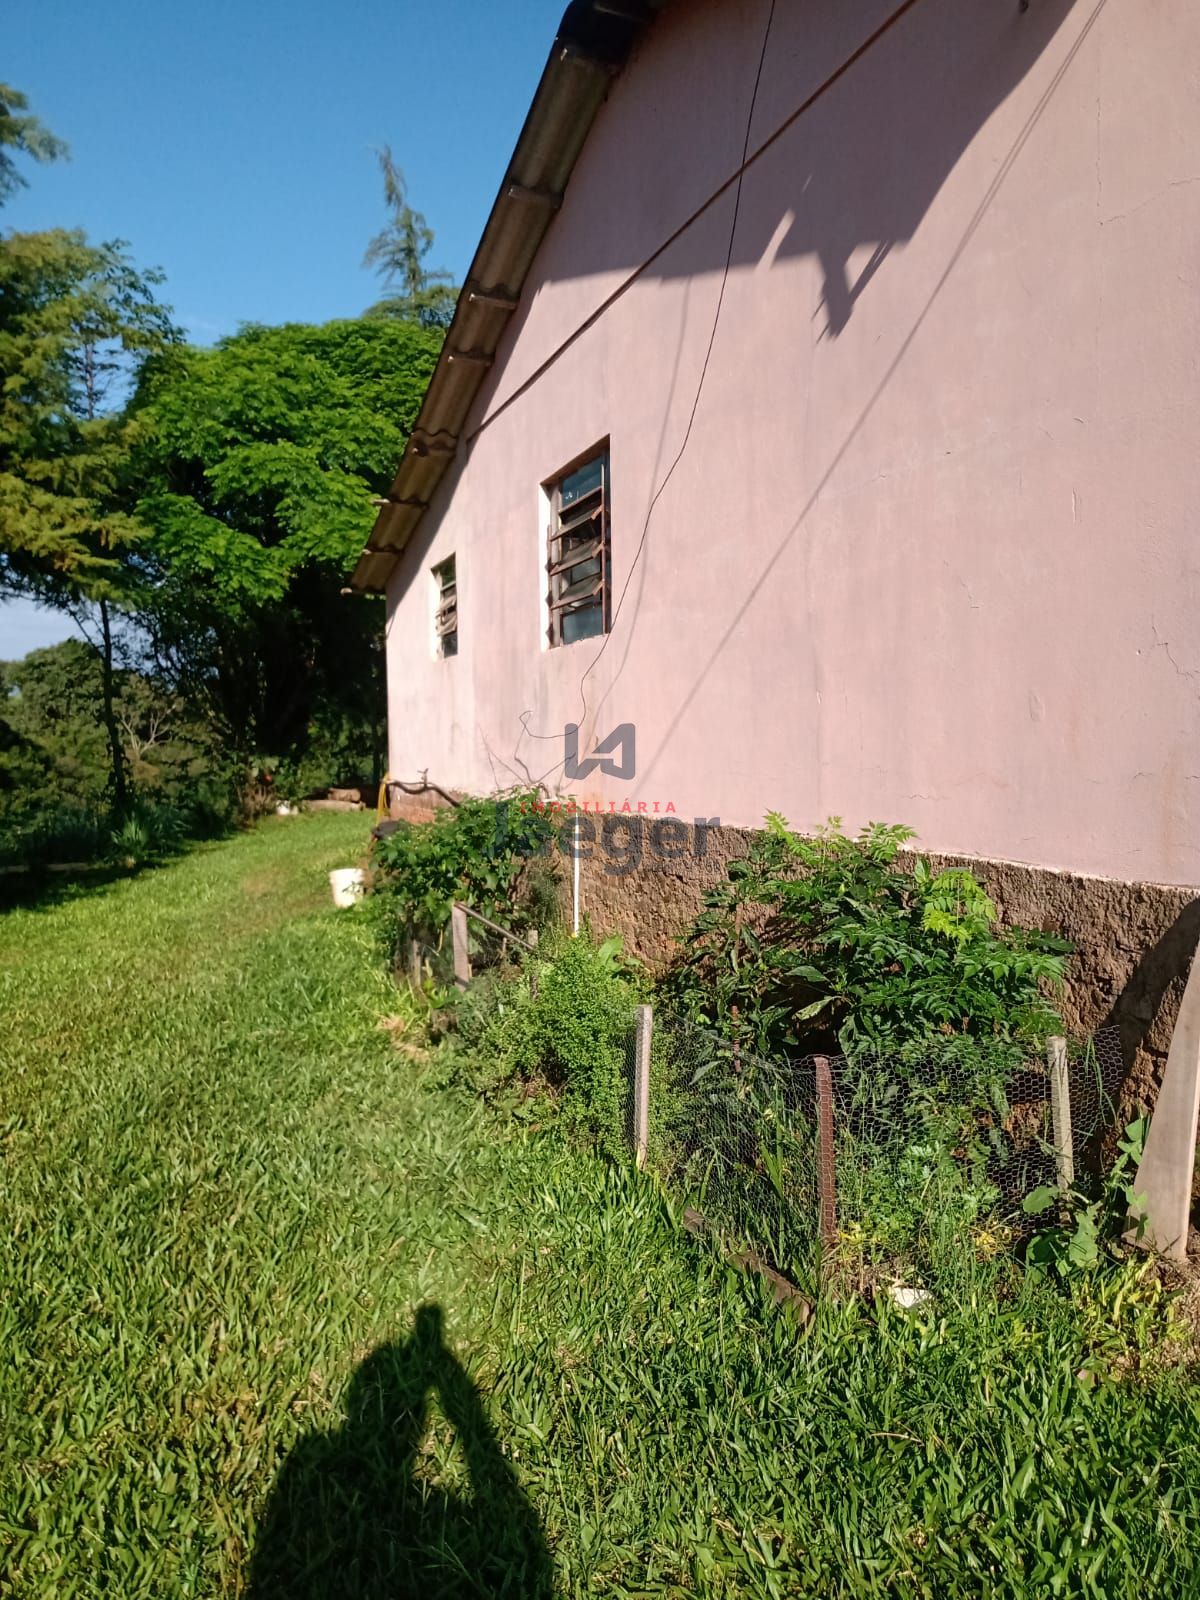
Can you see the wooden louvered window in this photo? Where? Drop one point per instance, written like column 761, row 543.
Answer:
column 577, row 554
column 445, row 615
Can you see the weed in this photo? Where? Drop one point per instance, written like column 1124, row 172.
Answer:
column 566, row 1017
column 1089, row 1228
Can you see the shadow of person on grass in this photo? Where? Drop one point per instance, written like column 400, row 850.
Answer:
column 351, row 1517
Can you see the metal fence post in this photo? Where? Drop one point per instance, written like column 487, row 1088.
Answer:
column 641, row 1083
column 826, row 1172
column 1060, row 1112
column 462, row 957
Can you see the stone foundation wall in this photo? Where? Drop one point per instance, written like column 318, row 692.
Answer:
column 1134, row 941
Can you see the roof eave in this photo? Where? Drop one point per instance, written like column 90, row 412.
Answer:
column 594, row 40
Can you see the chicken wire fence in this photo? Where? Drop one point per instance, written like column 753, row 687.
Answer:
column 470, row 945
column 422, row 962
column 865, row 1159
column 869, row 1157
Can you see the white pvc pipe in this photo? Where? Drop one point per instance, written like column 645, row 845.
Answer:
column 575, row 880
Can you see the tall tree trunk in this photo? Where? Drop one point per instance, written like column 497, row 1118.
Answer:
column 115, row 752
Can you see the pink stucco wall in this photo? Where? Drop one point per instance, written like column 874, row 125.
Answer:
column 931, row 552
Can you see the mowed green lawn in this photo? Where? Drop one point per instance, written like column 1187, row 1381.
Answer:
column 282, row 1314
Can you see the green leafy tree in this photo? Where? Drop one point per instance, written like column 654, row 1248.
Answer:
column 54, row 753
column 21, row 133
column 414, row 292
column 77, row 321
column 261, row 461
column 52, row 701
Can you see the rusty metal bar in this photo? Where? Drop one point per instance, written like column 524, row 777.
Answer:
column 826, row 1170
column 498, row 299
column 529, row 940
column 550, row 198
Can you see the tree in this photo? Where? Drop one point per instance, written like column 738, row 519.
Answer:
column 261, row 459
column 54, row 751
column 397, row 253
column 76, row 322
column 52, row 701
column 21, row 132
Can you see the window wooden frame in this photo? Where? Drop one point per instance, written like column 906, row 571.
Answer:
column 579, row 537
column 445, row 607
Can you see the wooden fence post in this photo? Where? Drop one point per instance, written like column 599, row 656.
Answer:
column 826, row 1172
column 1163, row 1185
column 462, row 956
column 414, row 963
column 641, row 1083
column 1060, row 1112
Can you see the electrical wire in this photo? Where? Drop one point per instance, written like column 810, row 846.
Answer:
column 756, row 154
column 695, row 407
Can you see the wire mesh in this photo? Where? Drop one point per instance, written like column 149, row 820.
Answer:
column 426, row 961
column 945, row 1145
column 735, row 1135
column 489, row 949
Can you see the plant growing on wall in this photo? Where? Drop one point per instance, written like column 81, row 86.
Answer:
column 831, row 940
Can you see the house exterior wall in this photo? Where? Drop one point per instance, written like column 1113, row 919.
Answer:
column 930, row 553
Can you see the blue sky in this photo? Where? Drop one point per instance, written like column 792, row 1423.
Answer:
column 232, row 145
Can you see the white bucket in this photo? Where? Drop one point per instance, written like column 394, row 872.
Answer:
column 348, row 885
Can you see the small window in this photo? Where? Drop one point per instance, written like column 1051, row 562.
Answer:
column 577, row 554
column 445, row 608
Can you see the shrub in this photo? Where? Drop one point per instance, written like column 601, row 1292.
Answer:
column 815, row 941
column 566, row 1017
column 69, row 834
column 148, row 832
column 487, row 853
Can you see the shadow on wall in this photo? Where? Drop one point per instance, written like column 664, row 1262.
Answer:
column 351, row 1517
column 1144, row 1020
column 862, row 166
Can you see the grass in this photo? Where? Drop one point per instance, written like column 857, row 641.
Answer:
column 226, row 1194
